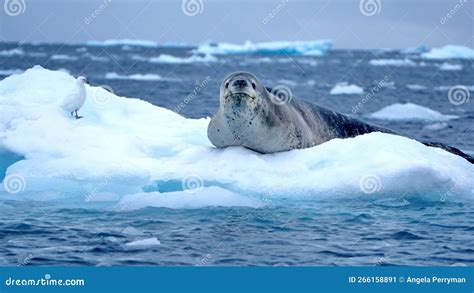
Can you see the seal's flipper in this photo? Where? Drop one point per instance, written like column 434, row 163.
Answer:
column 450, row 149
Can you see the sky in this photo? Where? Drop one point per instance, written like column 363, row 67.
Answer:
column 348, row 23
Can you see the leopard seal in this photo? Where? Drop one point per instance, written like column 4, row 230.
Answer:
column 267, row 121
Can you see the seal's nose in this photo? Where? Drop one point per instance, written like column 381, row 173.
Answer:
column 240, row 83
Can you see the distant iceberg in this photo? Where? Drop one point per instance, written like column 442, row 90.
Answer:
column 450, row 67
column 64, row 57
column 135, row 154
column 343, row 88
column 123, row 42
column 392, row 62
column 449, row 52
column 416, row 87
column 11, row 52
column 410, row 111
column 307, row 48
column 165, row 58
column 416, row 50
column 148, row 76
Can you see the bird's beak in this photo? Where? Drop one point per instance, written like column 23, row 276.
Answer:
column 87, row 81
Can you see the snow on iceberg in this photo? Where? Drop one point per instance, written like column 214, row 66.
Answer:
column 343, row 88
column 308, row 48
column 123, row 42
column 146, row 77
column 449, row 52
column 410, row 111
column 145, row 155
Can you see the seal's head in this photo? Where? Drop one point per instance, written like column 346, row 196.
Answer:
column 242, row 91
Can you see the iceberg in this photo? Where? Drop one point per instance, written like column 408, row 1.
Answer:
column 416, row 50
column 165, row 58
column 64, row 57
column 343, row 88
column 307, row 48
column 123, row 42
column 392, row 62
column 450, row 67
column 132, row 154
column 410, row 111
column 416, row 87
column 12, row 52
column 147, row 242
column 449, row 52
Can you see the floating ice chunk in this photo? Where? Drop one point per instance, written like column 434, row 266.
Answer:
column 11, row 52
column 164, row 58
column 64, row 57
column 392, row 62
column 148, row 76
column 450, row 52
column 436, row 126
column 344, row 88
column 144, row 242
column 450, row 67
column 410, row 111
column 416, row 87
column 124, row 42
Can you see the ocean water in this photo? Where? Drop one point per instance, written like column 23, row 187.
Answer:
column 373, row 230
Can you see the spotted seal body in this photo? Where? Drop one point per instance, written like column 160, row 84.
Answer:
column 254, row 117
column 263, row 120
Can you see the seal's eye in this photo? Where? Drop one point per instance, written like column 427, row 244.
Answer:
column 226, row 84
column 253, row 85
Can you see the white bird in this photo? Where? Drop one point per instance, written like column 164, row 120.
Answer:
column 75, row 100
